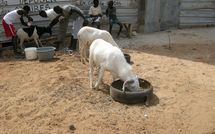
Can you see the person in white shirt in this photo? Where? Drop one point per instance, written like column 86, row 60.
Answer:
column 10, row 18
column 77, row 25
column 95, row 14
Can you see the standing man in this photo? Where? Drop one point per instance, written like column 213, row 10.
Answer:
column 95, row 14
column 62, row 15
column 77, row 25
column 10, row 18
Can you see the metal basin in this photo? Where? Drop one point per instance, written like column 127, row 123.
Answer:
column 45, row 53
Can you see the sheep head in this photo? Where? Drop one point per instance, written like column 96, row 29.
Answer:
column 131, row 84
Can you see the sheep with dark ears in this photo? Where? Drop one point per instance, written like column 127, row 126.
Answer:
column 32, row 32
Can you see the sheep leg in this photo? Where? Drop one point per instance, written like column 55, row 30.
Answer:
column 82, row 55
column 101, row 74
column 85, row 54
column 81, row 50
column 91, row 71
column 97, row 72
column 36, row 42
column 40, row 43
column 86, row 51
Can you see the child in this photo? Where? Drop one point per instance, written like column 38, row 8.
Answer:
column 111, row 14
column 10, row 18
column 95, row 13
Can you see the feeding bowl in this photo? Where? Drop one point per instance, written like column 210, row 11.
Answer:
column 131, row 97
column 127, row 57
column 45, row 53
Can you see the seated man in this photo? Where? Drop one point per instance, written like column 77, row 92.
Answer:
column 111, row 14
column 95, row 14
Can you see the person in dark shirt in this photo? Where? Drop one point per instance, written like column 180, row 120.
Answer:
column 111, row 14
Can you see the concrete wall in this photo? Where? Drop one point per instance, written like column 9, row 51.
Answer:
column 161, row 15
column 197, row 13
column 152, row 16
column 166, row 14
column 141, row 15
column 169, row 12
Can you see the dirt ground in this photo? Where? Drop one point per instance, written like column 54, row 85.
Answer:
column 54, row 97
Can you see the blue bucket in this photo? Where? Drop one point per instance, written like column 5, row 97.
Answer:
column 45, row 53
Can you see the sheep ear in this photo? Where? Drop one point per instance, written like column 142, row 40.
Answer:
column 126, row 83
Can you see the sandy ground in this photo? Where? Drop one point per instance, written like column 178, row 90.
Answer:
column 54, row 97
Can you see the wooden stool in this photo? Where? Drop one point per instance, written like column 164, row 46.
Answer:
column 128, row 28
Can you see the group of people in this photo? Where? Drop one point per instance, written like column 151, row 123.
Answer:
column 95, row 14
column 61, row 15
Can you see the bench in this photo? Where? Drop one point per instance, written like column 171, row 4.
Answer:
column 127, row 16
column 127, row 25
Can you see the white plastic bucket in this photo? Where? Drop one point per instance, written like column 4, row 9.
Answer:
column 31, row 53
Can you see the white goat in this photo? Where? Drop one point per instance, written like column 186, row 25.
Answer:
column 87, row 35
column 111, row 58
column 32, row 32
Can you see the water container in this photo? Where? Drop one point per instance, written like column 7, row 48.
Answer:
column 45, row 53
column 31, row 53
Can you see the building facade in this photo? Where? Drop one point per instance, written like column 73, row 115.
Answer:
column 145, row 15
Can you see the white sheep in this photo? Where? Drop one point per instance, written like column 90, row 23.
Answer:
column 111, row 58
column 87, row 35
column 32, row 32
